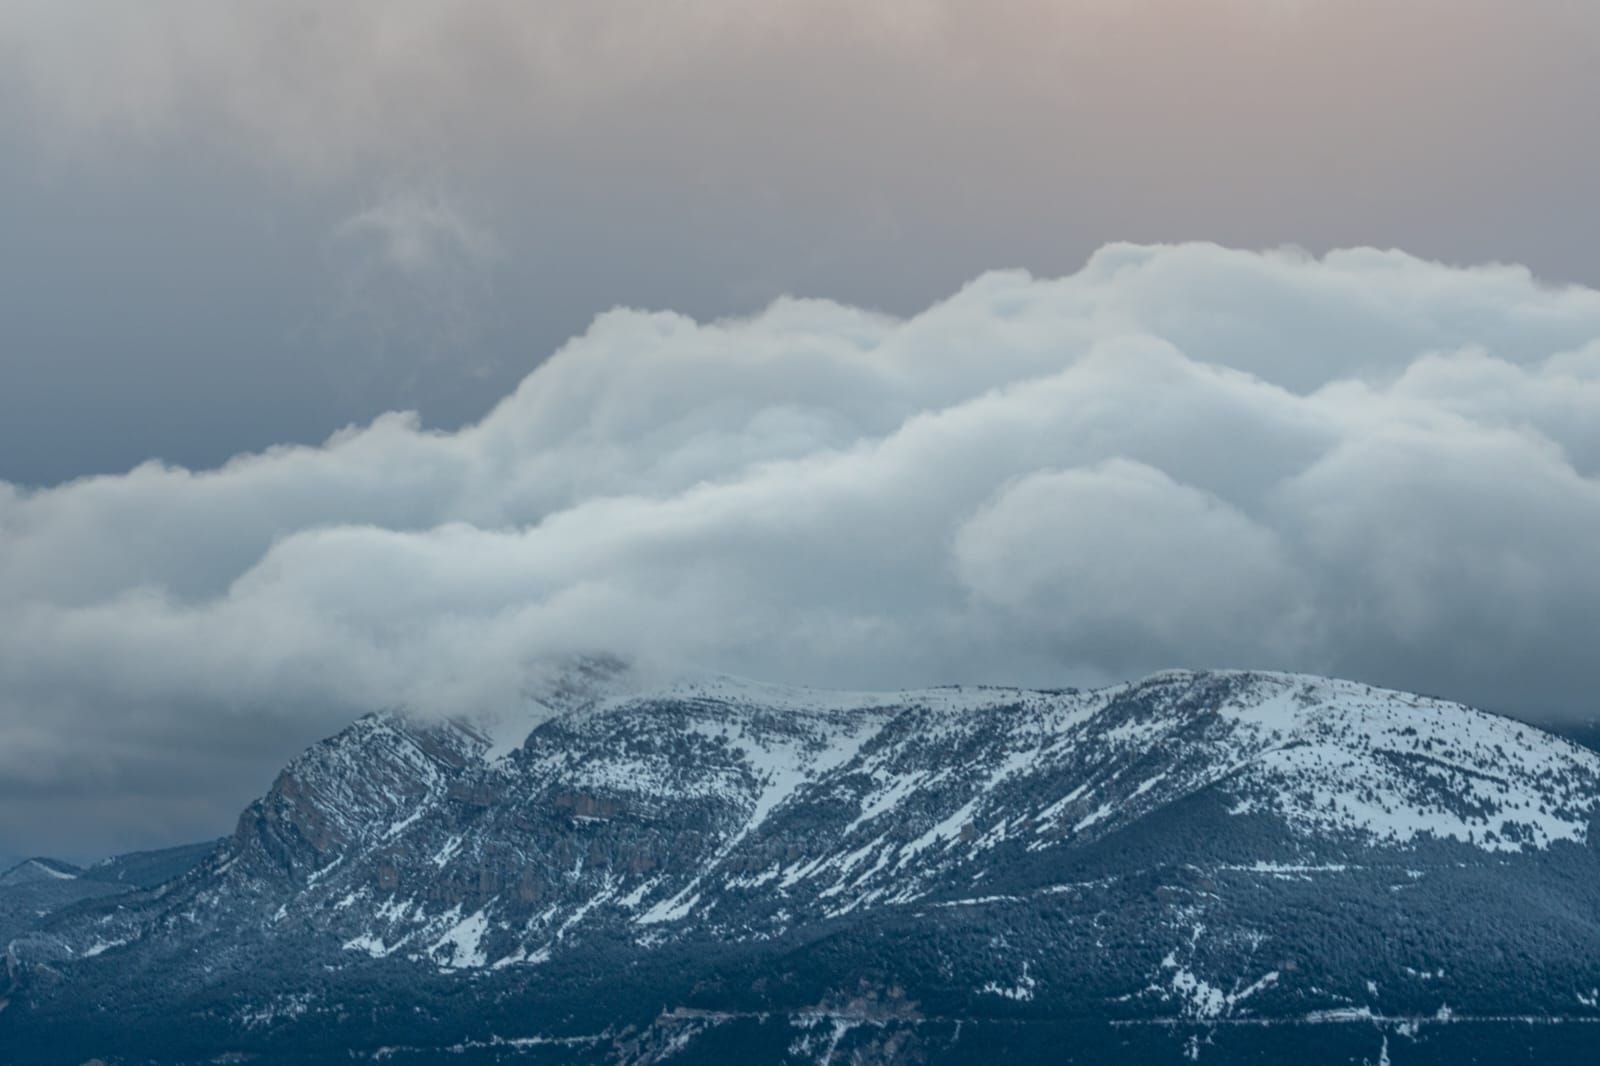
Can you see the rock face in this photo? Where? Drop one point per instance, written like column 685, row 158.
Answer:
column 1200, row 864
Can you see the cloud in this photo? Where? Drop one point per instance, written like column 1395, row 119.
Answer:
column 1362, row 464
column 1118, row 560
column 187, row 164
column 321, row 89
column 413, row 296
column 416, row 234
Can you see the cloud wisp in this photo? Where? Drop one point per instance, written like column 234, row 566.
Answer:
column 1363, row 464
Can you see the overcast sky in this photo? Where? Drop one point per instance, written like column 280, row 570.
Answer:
column 984, row 440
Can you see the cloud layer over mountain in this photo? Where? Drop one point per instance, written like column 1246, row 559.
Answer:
column 1365, row 465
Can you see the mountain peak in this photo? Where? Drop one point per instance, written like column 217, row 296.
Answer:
column 39, row 868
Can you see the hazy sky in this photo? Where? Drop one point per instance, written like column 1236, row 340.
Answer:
column 232, row 225
column 229, row 227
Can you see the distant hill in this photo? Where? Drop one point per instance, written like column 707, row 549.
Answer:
column 33, row 889
column 147, row 869
column 36, row 870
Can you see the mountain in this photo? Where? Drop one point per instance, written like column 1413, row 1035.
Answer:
column 36, row 888
column 1224, row 865
column 39, row 869
column 147, row 869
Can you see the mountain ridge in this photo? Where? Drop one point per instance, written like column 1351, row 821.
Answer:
column 714, row 817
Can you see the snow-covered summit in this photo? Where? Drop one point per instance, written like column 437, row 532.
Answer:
column 31, row 871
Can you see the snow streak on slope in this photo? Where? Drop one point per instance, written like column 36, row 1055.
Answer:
column 32, row 870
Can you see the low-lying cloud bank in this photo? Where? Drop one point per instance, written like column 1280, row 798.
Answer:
column 1365, row 465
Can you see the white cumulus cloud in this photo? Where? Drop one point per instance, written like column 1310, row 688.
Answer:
column 1362, row 464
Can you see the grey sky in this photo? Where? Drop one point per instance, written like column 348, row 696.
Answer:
column 233, row 227
column 182, row 280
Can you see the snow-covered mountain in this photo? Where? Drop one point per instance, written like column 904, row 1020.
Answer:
column 712, row 867
column 38, row 870
column 34, row 889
